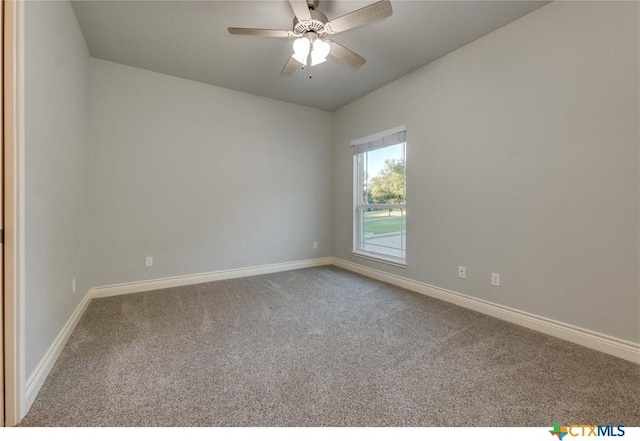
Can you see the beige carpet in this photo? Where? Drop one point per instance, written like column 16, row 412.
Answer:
column 321, row 347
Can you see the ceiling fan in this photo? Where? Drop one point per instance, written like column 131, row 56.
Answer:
column 311, row 29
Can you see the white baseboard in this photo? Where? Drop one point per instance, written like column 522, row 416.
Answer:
column 172, row 282
column 594, row 340
column 36, row 380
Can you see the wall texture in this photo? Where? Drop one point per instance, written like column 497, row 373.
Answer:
column 57, row 172
column 522, row 160
column 202, row 178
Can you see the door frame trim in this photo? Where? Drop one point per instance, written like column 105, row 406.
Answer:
column 2, row 220
column 14, row 206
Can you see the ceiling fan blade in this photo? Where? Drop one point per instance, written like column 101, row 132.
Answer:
column 346, row 55
column 291, row 66
column 261, row 32
column 360, row 17
column 300, row 9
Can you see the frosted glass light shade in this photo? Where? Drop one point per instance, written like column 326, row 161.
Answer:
column 301, row 48
column 320, row 51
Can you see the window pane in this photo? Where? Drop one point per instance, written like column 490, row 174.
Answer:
column 380, row 215
column 384, row 231
column 383, row 175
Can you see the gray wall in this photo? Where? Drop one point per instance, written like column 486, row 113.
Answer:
column 57, row 194
column 522, row 160
column 202, row 178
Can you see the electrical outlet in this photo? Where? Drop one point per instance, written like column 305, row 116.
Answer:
column 495, row 279
column 73, row 284
column 462, row 272
column 148, row 261
column 315, row 245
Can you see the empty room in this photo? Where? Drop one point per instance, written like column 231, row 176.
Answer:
column 309, row 214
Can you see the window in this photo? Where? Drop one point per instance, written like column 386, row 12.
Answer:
column 379, row 183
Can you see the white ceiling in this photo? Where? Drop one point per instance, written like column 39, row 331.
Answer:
column 189, row 40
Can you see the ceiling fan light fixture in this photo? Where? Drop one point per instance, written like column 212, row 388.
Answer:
column 301, row 48
column 310, row 29
column 320, row 51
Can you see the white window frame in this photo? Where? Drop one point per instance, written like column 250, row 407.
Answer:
column 359, row 206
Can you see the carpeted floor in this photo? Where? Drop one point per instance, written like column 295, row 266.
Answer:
column 321, row 347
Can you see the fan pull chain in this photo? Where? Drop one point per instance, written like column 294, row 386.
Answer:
column 309, row 62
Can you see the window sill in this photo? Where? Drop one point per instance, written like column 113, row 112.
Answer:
column 379, row 258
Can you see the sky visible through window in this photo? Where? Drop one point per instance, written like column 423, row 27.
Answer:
column 374, row 160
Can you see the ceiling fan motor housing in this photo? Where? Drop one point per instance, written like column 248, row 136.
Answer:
column 316, row 24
